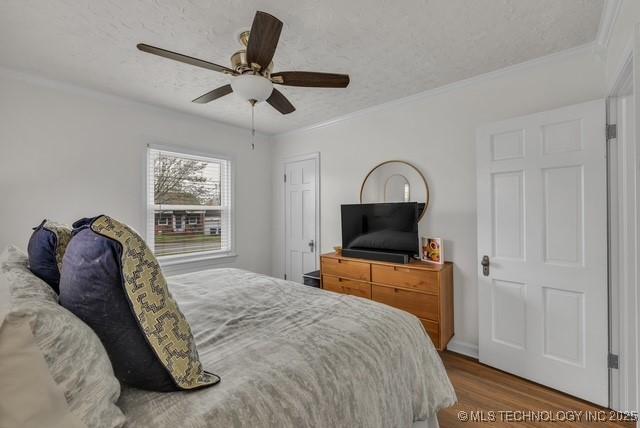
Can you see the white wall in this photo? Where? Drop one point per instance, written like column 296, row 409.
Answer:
column 67, row 153
column 435, row 132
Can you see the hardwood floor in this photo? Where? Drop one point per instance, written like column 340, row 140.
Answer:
column 482, row 388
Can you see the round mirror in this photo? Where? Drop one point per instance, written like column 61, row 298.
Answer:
column 395, row 181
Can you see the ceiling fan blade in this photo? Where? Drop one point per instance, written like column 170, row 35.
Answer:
column 184, row 58
column 280, row 102
column 263, row 39
column 311, row 79
column 214, row 95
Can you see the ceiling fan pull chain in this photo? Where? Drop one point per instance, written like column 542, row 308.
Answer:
column 253, row 126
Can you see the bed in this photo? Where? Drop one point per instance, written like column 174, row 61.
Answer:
column 295, row 356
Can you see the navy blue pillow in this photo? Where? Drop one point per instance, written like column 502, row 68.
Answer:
column 97, row 287
column 46, row 249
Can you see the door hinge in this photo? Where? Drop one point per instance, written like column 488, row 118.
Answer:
column 612, row 131
column 285, row 178
column 612, row 361
column 285, row 276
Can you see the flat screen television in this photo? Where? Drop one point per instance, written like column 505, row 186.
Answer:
column 385, row 227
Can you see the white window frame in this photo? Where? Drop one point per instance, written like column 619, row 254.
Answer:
column 194, row 222
column 179, row 259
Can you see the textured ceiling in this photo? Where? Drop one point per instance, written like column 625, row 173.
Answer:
column 390, row 48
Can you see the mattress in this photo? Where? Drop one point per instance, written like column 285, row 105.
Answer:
column 290, row 355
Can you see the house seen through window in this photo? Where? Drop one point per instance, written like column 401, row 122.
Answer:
column 189, row 201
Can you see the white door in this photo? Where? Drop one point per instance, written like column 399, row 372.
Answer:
column 542, row 223
column 301, row 217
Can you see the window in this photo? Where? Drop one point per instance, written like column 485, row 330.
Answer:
column 189, row 199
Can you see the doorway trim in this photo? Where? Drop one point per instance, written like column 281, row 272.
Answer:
column 315, row 156
column 622, row 272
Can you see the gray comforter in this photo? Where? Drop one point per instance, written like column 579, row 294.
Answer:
column 294, row 356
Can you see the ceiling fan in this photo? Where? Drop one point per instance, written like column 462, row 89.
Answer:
column 251, row 68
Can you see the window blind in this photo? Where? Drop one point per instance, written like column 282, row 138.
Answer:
column 189, row 203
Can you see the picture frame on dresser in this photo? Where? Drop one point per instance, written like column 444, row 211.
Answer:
column 432, row 250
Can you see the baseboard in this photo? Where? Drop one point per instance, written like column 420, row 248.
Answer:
column 464, row 348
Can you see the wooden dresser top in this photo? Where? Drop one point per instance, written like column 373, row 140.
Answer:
column 414, row 264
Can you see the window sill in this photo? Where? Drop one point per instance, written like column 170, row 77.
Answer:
column 181, row 259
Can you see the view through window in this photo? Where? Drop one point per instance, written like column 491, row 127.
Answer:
column 190, row 203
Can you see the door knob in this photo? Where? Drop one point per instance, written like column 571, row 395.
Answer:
column 311, row 245
column 485, row 265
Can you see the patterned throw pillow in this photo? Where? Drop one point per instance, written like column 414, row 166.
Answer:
column 112, row 281
column 75, row 357
column 46, row 248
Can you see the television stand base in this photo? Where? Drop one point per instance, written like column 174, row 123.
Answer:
column 380, row 256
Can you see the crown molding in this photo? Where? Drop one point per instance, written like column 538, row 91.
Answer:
column 39, row 80
column 559, row 56
column 610, row 13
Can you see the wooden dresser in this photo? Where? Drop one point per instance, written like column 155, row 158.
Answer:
column 420, row 288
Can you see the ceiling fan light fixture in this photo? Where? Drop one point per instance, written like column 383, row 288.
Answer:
column 251, row 68
column 252, row 87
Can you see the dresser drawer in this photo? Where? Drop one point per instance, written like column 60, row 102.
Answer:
column 433, row 330
column 346, row 268
column 346, row 286
column 417, row 279
column 419, row 304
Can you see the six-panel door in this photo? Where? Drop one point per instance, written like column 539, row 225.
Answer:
column 301, row 238
column 542, row 223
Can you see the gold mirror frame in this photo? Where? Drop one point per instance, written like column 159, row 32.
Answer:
column 424, row 180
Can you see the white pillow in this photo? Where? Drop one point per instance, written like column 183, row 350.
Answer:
column 77, row 361
column 30, row 396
